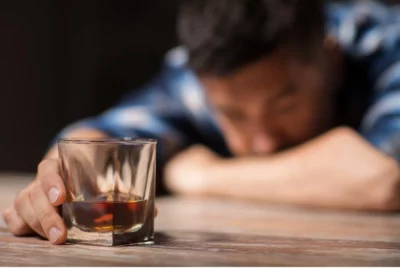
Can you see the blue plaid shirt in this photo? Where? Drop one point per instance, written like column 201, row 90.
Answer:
column 172, row 107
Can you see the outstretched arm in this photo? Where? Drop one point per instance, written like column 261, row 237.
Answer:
column 336, row 170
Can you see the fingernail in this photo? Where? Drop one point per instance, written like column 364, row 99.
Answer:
column 54, row 234
column 53, row 194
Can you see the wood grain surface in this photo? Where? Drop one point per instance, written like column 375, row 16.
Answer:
column 206, row 232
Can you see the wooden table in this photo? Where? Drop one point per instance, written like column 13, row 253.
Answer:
column 224, row 232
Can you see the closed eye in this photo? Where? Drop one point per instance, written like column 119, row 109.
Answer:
column 285, row 101
column 285, row 104
column 232, row 114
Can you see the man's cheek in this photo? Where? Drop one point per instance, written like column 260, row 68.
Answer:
column 300, row 126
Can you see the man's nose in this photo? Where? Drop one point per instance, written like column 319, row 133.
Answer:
column 263, row 143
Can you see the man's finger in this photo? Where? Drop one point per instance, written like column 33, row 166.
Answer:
column 48, row 166
column 50, row 220
column 25, row 209
column 15, row 224
column 51, row 182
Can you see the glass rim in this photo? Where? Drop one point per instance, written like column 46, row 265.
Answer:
column 125, row 141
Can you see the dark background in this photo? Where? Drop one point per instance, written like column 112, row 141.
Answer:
column 64, row 60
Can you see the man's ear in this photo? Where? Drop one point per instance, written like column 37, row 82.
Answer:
column 334, row 58
column 331, row 46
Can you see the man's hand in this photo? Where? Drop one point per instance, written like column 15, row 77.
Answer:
column 35, row 208
column 187, row 172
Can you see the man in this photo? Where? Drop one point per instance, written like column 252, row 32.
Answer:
column 310, row 105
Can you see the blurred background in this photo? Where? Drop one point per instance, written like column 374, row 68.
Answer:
column 64, row 60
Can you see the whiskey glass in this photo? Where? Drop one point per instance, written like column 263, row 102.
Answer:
column 110, row 190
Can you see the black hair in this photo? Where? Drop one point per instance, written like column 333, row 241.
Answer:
column 222, row 36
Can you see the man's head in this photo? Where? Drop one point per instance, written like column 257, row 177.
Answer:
column 264, row 67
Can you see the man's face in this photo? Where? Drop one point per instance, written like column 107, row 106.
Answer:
column 273, row 104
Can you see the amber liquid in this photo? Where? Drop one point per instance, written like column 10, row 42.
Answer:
column 108, row 216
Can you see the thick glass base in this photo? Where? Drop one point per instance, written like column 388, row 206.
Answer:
column 109, row 239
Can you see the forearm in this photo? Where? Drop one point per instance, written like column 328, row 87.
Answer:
column 338, row 170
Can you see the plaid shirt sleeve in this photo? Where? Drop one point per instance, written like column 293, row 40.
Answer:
column 370, row 32
column 171, row 108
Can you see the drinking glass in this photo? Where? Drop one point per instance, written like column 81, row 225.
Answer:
column 110, row 190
